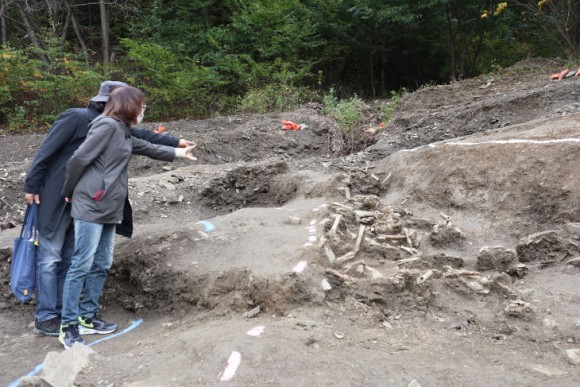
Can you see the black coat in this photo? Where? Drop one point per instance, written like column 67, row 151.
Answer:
column 47, row 172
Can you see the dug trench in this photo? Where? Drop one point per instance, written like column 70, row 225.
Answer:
column 449, row 261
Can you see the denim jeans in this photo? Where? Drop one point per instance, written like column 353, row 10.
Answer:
column 51, row 267
column 90, row 264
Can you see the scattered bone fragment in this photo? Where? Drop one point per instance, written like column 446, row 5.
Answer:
column 253, row 312
column 352, row 265
column 359, row 238
column 292, row 220
column 343, row 277
column 454, row 273
column 519, row 309
column 345, row 257
column 340, row 205
column 386, row 179
column 374, row 273
column 425, row 276
column 334, row 227
column 329, row 253
column 409, row 250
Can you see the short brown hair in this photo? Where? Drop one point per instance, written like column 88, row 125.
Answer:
column 125, row 104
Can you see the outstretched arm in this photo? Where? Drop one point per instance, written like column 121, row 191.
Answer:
column 160, row 152
column 161, row 139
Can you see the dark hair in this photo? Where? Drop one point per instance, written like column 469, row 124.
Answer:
column 125, row 104
column 98, row 106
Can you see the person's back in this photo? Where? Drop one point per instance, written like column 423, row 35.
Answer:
column 45, row 180
column 96, row 184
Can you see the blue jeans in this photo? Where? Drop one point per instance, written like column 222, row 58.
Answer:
column 90, row 264
column 54, row 257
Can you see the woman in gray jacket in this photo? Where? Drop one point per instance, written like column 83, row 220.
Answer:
column 96, row 184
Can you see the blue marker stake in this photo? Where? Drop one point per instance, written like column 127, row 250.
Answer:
column 207, row 224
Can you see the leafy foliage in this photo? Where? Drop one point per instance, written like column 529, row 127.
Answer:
column 350, row 117
column 33, row 94
column 198, row 58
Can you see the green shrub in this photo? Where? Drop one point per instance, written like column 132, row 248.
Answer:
column 275, row 97
column 33, row 93
column 350, row 118
column 349, row 115
column 329, row 102
column 388, row 109
column 176, row 87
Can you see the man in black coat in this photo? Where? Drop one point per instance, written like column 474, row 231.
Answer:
column 45, row 180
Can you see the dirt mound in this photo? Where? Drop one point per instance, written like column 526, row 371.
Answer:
column 509, row 97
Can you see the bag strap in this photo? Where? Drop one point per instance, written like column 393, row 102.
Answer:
column 25, row 221
column 30, row 220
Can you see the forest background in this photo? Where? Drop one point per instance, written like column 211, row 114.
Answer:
column 203, row 58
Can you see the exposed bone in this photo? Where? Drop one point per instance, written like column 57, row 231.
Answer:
column 391, row 237
column 375, row 177
column 329, row 253
column 408, row 236
column 361, row 232
column 334, row 227
column 322, row 242
column 409, row 250
column 344, row 277
column 452, row 273
column 353, row 264
column 383, row 245
column 531, row 238
column 292, row 220
column 365, row 214
column 386, row 178
column 425, row 276
column 345, row 257
column 346, row 191
column 342, row 206
column 374, row 272
column 407, row 260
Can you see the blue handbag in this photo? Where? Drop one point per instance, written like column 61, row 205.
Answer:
column 23, row 270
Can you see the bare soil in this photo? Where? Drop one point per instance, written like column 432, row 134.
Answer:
column 454, row 259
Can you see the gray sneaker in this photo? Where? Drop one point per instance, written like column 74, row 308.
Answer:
column 69, row 335
column 47, row 328
column 90, row 325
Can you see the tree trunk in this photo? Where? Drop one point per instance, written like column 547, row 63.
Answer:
column 466, row 44
column 77, row 30
column 65, row 27
column 104, row 33
column 32, row 34
column 372, row 75
column 384, row 74
column 3, row 32
column 452, row 43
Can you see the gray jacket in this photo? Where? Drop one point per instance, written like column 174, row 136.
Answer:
column 97, row 173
